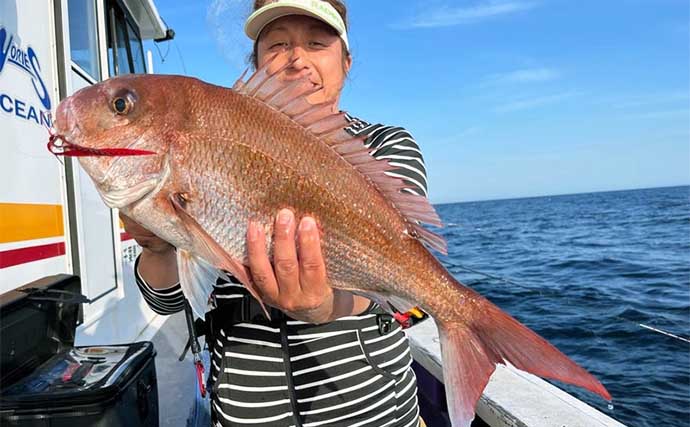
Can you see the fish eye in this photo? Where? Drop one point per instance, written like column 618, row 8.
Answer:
column 122, row 105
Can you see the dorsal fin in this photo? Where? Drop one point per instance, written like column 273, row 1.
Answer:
column 290, row 98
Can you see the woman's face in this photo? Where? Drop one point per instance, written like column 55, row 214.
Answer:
column 316, row 49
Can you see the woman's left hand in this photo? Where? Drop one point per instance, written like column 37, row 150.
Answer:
column 296, row 283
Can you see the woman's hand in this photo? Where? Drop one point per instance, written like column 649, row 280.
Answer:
column 296, row 283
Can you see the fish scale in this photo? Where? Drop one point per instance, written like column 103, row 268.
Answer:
column 225, row 156
column 290, row 185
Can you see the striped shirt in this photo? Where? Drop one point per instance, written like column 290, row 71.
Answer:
column 349, row 372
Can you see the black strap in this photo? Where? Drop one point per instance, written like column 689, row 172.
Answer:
column 240, row 310
column 193, row 337
column 370, row 360
column 288, row 373
column 193, row 332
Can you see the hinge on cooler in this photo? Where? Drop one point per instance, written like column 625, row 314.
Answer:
column 38, row 294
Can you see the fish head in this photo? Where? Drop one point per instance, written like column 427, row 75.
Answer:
column 121, row 130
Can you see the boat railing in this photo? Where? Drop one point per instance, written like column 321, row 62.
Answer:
column 513, row 398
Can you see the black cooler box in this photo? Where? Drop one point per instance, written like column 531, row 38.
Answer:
column 46, row 381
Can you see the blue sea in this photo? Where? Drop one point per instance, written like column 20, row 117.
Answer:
column 583, row 271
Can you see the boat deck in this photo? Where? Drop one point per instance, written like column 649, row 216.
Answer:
column 176, row 380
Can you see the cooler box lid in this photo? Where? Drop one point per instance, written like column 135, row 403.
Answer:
column 93, row 375
column 37, row 321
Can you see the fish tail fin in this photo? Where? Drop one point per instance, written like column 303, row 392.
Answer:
column 471, row 351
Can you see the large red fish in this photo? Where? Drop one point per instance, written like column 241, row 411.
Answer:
column 193, row 163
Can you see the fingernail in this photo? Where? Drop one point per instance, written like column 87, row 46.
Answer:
column 253, row 232
column 307, row 224
column 285, row 217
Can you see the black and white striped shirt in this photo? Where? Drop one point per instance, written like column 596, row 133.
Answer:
column 345, row 373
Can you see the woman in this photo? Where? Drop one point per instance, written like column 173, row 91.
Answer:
column 328, row 357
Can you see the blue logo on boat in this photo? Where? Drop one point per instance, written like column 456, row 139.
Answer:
column 27, row 61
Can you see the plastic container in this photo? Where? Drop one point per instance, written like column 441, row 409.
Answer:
column 46, row 381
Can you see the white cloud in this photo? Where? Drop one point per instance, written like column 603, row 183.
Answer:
column 649, row 99
column 447, row 16
column 225, row 19
column 469, row 131
column 661, row 114
column 529, row 103
column 459, row 137
column 528, row 75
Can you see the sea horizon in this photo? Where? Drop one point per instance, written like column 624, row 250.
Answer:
column 560, row 194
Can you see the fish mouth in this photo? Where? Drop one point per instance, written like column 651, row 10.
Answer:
column 60, row 145
column 60, row 140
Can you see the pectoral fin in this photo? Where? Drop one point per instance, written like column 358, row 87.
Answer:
column 212, row 252
column 196, row 279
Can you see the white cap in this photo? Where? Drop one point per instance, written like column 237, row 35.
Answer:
column 318, row 9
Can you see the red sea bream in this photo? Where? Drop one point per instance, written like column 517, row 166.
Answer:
column 193, row 163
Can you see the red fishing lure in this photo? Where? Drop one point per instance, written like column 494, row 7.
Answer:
column 58, row 145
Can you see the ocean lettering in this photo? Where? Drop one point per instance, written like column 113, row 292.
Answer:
column 6, row 103
column 25, row 110
column 19, row 108
column 46, row 120
column 32, row 114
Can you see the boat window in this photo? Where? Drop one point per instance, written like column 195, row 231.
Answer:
column 118, row 56
column 137, row 49
column 83, row 36
column 125, row 50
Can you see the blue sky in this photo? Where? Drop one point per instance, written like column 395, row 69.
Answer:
column 507, row 98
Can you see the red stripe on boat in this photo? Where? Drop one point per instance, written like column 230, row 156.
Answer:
column 30, row 254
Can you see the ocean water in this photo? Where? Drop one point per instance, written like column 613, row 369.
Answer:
column 583, row 271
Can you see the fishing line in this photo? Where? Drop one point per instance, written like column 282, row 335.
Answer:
column 512, row 282
column 490, row 276
column 167, row 51
column 167, row 44
column 179, row 54
column 642, row 325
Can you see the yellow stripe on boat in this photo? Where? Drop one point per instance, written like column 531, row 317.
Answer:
column 25, row 221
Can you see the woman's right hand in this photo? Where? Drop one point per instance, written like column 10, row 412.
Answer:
column 144, row 237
